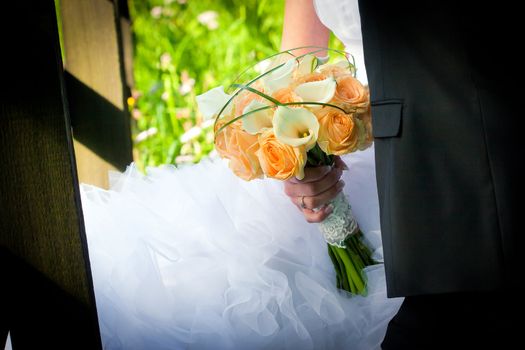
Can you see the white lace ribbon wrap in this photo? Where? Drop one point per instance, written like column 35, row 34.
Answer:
column 340, row 223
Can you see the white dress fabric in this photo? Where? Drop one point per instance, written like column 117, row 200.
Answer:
column 196, row 258
column 343, row 19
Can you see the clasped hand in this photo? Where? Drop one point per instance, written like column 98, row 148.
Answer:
column 313, row 193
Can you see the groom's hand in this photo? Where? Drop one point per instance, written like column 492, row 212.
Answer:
column 319, row 186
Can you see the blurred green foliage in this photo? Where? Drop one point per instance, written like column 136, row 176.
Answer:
column 183, row 48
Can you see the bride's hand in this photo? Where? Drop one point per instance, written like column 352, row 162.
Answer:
column 319, row 186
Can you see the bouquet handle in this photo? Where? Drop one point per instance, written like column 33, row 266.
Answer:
column 349, row 254
column 340, row 224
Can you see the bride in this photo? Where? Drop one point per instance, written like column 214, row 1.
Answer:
column 195, row 258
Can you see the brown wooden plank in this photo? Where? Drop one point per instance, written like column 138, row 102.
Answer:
column 46, row 298
column 96, row 88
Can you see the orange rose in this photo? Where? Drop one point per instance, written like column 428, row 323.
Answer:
column 286, row 95
column 278, row 160
column 240, row 148
column 247, row 166
column 221, row 138
column 338, row 132
column 351, row 94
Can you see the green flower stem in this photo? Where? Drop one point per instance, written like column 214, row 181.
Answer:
column 253, row 65
column 257, row 92
column 316, row 157
column 321, row 48
column 354, row 247
column 358, row 263
column 336, row 267
column 334, row 260
column 240, row 117
column 362, row 249
column 353, row 287
column 236, row 93
column 344, row 276
column 349, row 263
column 246, row 86
column 350, row 269
column 326, row 159
column 289, row 52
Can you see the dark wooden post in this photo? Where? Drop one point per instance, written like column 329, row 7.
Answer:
column 47, row 298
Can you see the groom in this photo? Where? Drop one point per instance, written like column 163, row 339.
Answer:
column 446, row 88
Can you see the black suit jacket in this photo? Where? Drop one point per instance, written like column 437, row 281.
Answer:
column 446, row 88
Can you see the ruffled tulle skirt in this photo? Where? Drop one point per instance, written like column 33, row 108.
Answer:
column 195, row 258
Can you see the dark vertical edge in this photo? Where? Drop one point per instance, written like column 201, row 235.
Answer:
column 121, row 10
column 74, row 174
column 59, row 29
column 4, row 331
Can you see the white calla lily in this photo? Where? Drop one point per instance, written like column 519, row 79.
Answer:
column 317, row 91
column 255, row 123
column 296, row 127
column 279, row 78
column 212, row 101
column 307, row 65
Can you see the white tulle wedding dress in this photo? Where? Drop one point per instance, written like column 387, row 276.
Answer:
column 195, row 258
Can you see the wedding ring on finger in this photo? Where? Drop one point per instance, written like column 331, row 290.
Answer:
column 302, row 203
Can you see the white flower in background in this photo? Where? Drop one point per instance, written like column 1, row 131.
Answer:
column 212, row 101
column 136, row 93
column 136, row 114
column 279, row 78
column 209, row 19
column 165, row 60
column 141, row 136
column 183, row 113
column 317, row 91
column 165, row 95
column 296, row 127
column 255, row 123
column 190, row 134
column 187, row 83
column 156, row 12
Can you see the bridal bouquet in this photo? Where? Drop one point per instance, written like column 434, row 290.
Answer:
column 299, row 112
